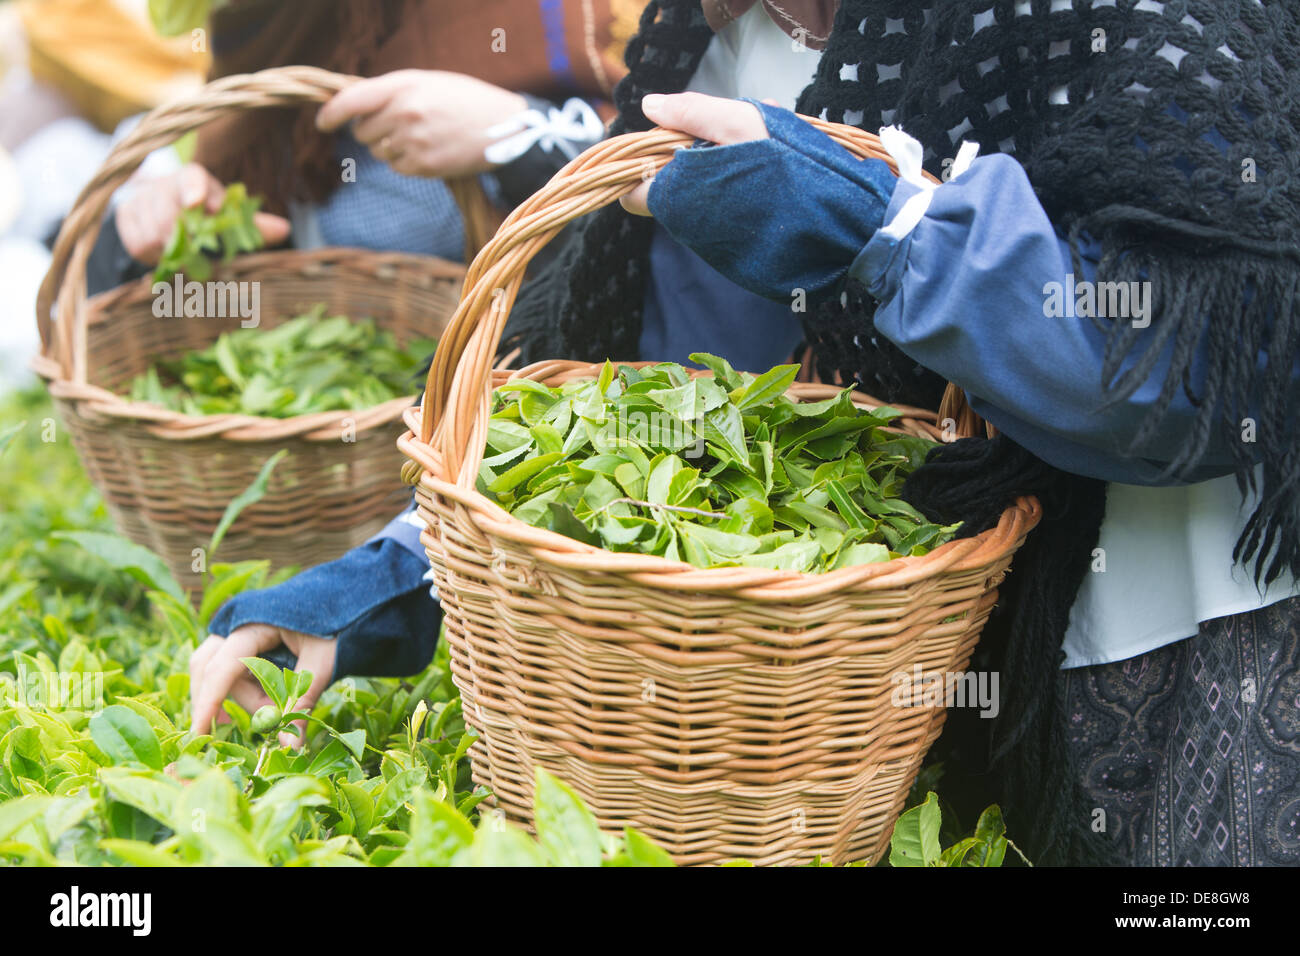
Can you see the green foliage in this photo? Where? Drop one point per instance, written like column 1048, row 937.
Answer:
column 8, row 434
column 249, row 496
column 916, row 839
column 97, row 766
column 311, row 363
column 199, row 235
column 123, row 555
column 127, row 785
column 174, row 17
column 714, row 472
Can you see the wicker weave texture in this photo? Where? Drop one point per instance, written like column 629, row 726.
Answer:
column 339, row 483
column 732, row 712
column 167, row 477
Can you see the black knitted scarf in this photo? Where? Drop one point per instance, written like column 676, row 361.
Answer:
column 1165, row 131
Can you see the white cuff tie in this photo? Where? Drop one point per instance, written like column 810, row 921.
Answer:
column 553, row 129
column 907, row 152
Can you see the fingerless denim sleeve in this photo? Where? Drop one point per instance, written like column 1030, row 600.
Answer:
column 375, row 601
column 774, row 215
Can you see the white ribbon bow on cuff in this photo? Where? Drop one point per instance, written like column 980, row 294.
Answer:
column 553, row 129
column 907, row 152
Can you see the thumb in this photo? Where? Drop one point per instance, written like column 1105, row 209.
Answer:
column 711, row 118
column 315, row 655
column 274, row 229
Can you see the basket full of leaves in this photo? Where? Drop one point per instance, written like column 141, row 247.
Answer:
column 692, row 594
column 176, row 390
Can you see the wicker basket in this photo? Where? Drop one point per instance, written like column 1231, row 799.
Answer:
column 167, row 477
column 733, row 712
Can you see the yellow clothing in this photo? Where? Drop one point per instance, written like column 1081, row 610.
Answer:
column 105, row 56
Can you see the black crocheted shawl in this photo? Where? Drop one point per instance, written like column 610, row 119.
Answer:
column 1167, row 131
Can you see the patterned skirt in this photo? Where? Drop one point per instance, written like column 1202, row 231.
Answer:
column 1192, row 751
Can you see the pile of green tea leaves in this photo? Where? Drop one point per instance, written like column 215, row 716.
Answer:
column 714, row 471
column 199, row 235
column 311, row 363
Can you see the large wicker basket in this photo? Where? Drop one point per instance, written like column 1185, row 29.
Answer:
column 732, row 712
column 167, row 477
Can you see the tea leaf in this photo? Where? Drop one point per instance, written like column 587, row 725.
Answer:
column 503, row 847
column 126, row 737
column 308, row 363
column 642, row 852
column 566, row 829
column 438, row 833
column 254, row 493
column 195, row 234
column 174, row 17
column 141, row 563
column 270, row 677
column 916, row 835
column 767, row 387
column 7, row 435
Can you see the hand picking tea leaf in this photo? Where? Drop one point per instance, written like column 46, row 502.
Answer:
column 198, row 236
column 715, row 472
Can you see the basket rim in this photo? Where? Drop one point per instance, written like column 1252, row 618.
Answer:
column 962, row 554
column 180, row 426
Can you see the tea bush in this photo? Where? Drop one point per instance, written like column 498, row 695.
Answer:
column 97, row 765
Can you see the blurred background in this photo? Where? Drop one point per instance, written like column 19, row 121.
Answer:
column 75, row 75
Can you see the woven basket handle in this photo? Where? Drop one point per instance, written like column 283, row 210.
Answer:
column 64, row 347
column 456, row 395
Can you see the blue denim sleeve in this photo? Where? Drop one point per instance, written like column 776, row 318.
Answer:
column 375, row 601
column 968, row 293
column 774, row 215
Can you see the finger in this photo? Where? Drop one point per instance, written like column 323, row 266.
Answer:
column 163, row 216
column 148, row 224
column 249, row 695
column 407, row 166
column 134, row 235
column 316, row 656
column 360, row 99
column 637, row 202
column 711, row 118
column 274, row 229
column 198, row 663
column 426, row 165
column 216, row 194
column 196, row 186
column 377, row 131
column 225, row 669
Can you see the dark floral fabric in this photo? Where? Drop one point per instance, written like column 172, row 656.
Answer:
column 1192, row 751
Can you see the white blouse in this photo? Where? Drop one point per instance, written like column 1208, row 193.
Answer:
column 1164, row 565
